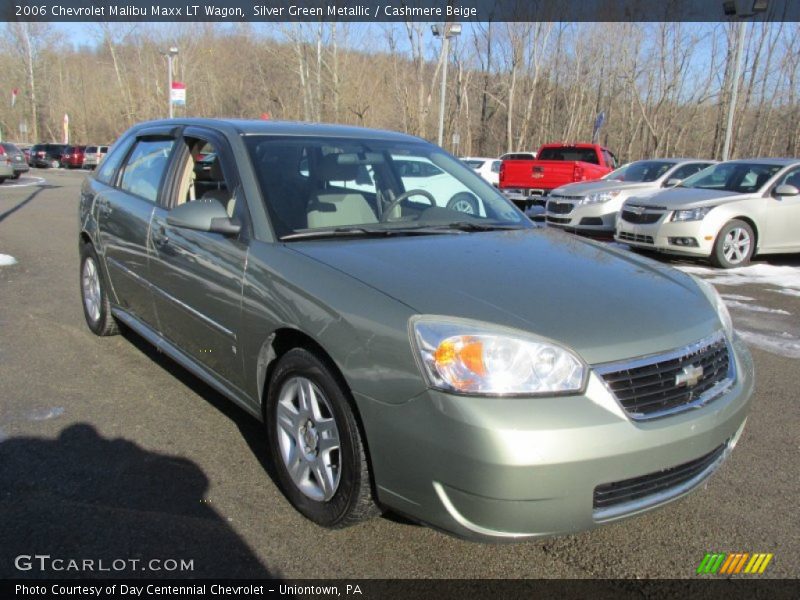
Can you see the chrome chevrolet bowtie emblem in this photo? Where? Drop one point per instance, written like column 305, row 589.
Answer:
column 637, row 210
column 689, row 376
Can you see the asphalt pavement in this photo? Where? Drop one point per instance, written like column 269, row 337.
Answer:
column 110, row 451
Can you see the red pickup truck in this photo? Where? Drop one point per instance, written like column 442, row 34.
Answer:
column 527, row 182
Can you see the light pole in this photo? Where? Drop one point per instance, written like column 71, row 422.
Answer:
column 733, row 8
column 448, row 31
column 170, row 54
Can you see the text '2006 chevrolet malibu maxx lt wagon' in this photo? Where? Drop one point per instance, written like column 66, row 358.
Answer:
column 466, row 368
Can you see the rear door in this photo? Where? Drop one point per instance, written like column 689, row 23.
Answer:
column 125, row 203
column 197, row 276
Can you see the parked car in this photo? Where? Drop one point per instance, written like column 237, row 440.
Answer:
column 528, row 182
column 726, row 213
column 93, row 155
column 518, row 156
column 73, row 157
column 47, row 155
column 394, row 363
column 488, row 168
column 6, row 167
column 592, row 207
column 26, row 151
column 18, row 163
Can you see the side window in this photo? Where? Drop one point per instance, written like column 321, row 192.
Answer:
column 203, row 177
column 790, row 178
column 109, row 167
column 685, row 171
column 496, row 166
column 142, row 174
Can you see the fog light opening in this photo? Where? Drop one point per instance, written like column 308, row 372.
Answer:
column 684, row 241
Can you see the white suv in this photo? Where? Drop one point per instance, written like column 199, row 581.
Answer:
column 727, row 213
column 93, row 155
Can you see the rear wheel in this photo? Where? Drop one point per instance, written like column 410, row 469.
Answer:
column 316, row 444
column 734, row 246
column 96, row 306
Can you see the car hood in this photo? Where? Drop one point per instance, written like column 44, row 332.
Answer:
column 690, row 198
column 607, row 304
column 595, row 187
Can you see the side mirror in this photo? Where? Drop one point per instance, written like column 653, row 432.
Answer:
column 786, row 190
column 672, row 182
column 203, row 215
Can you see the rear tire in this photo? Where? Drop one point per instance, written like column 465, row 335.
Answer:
column 316, row 444
column 734, row 246
column 94, row 295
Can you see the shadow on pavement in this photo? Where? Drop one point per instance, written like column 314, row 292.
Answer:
column 84, row 497
column 13, row 209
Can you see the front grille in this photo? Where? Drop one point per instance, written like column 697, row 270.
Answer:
column 658, row 386
column 558, row 220
column 638, row 489
column 559, row 208
column 645, row 218
column 635, row 237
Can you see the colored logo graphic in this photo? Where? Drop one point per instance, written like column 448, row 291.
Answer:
column 720, row 563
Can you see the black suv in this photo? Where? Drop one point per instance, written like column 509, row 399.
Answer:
column 47, row 155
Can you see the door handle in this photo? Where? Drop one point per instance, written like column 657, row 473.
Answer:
column 160, row 237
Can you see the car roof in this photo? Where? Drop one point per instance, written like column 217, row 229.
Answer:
column 290, row 128
column 784, row 162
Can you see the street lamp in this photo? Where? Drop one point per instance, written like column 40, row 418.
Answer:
column 738, row 9
column 449, row 30
column 170, row 54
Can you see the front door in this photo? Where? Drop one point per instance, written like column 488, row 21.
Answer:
column 197, row 276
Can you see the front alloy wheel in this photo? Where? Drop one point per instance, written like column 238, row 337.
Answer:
column 308, row 438
column 734, row 245
column 316, row 443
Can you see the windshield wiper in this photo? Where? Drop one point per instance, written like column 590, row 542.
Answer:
column 360, row 231
column 470, row 226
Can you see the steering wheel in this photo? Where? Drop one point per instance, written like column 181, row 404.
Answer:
column 388, row 210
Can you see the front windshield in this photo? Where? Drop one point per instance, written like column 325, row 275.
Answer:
column 736, row 177
column 641, row 171
column 324, row 184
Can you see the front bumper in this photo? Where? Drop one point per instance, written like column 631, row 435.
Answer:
column 514, row 468
column 661, row 236
column 599, row 217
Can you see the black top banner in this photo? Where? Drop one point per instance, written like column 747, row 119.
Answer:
column 399, row 10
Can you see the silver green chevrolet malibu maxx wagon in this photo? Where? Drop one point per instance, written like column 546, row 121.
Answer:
column 421, row 349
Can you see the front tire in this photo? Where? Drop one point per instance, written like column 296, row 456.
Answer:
column 316, row 444
column 94, row 295
column 464, row 202
column 734, row 246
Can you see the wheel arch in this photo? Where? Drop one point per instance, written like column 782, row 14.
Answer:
column 283, row 340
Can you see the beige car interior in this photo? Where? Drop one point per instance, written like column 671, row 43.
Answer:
column 334, row 209
column 205, row 182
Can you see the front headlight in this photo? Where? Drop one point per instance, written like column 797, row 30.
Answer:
column 600, row 197
column 692, row 214
column 469, row 357
column 719, row 304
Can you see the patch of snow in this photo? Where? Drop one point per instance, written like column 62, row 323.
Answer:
column 783, row 344
column 735, row 297
column 6, row 260
column 788, row 292
column 761, row 275
column 43, row 414
column 755, row 308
